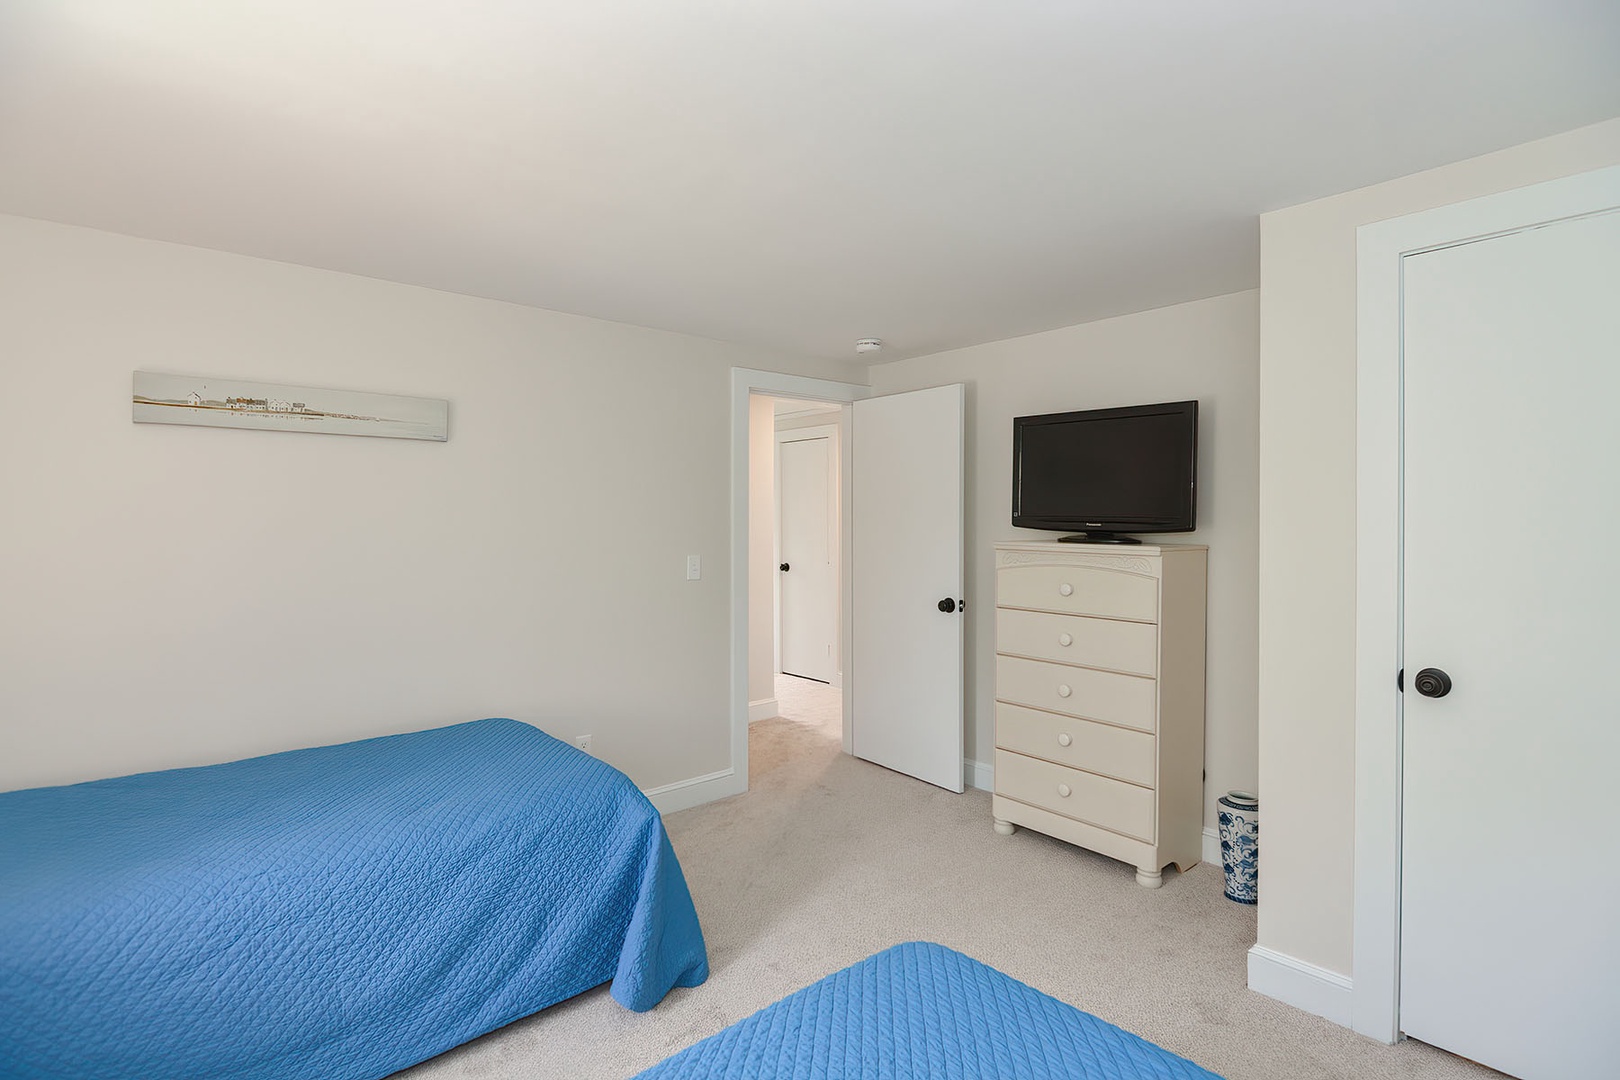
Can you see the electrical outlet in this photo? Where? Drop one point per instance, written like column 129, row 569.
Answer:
column 694, row 568
column 583, row 742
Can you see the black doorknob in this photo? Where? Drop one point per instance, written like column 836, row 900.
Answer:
column 784, row 566
column 1432, row 682
column 947, row 605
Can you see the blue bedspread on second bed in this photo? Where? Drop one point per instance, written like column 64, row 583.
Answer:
column 920, row 1011
column 328, row 914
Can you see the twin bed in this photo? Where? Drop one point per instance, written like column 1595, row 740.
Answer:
column 343, row 912
column 920, row 1011
column 340, row 912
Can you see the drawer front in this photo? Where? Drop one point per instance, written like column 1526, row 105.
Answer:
column 1079, row 590
column 1126, row 700
column 1079, row 744
column 1075, row 639
column 1111, row 804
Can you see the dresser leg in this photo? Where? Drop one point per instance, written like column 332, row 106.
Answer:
column 1005, row 828
column 1149, row 879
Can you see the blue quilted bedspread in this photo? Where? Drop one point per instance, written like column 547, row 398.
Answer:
column 923, row 1012
column 338, row 913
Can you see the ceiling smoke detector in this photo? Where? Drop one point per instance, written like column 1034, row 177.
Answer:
column 868, row 345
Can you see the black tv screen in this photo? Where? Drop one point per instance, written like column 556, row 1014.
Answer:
column 1103, row 472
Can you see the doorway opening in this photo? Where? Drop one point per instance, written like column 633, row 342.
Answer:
column 899, row 648
column 795, row 639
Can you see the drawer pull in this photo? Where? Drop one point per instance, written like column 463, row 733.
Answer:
column 1065, row 640
column 1064, row 740
column 1065, row 589
column 1063, row 790
column 1063, row 690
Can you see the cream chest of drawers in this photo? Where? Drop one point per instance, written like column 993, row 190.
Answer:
column 1100, row 698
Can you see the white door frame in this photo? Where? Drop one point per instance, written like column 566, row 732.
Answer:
column 1380, row 250
column 835, row 459
column 744, row 382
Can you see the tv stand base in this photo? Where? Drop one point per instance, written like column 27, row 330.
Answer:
column 1098, row 538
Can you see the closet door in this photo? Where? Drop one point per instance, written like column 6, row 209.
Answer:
column 807, row 570
column 1510, row 948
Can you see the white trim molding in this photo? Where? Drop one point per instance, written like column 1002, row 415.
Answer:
column 1212, row 846
column 685, row 794
column 1381, row 249
column 1291, row 981
column 976, row 774
column 763, row 710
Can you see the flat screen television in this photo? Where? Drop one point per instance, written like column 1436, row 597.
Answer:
column 1106, row 472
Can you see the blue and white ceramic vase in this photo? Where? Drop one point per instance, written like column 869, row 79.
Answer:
column 1239, row 817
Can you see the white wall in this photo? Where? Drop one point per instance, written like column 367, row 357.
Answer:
column 1207, row 350
column 1307, row 528
column 761, row 557
column 179, row 595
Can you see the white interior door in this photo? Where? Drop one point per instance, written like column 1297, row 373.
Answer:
column 1510, row 880
column 807, row 570
column 906, row 652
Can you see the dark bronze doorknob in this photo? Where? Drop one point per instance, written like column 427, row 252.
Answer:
column 783, row 567
column 947, row 605
column 1432, row 682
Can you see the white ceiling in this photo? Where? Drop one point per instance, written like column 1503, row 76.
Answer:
column 789, row 174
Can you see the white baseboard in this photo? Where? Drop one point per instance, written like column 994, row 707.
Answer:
column 1304, row 986
column 763, row 710
column 976, row 774
column 1212, row 846
column 685, row 794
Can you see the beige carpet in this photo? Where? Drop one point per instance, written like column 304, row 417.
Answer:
column 828, row 859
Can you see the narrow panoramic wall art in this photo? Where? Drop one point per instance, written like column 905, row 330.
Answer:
column 196, row 399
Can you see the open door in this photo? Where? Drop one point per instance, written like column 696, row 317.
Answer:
column 906, row 565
